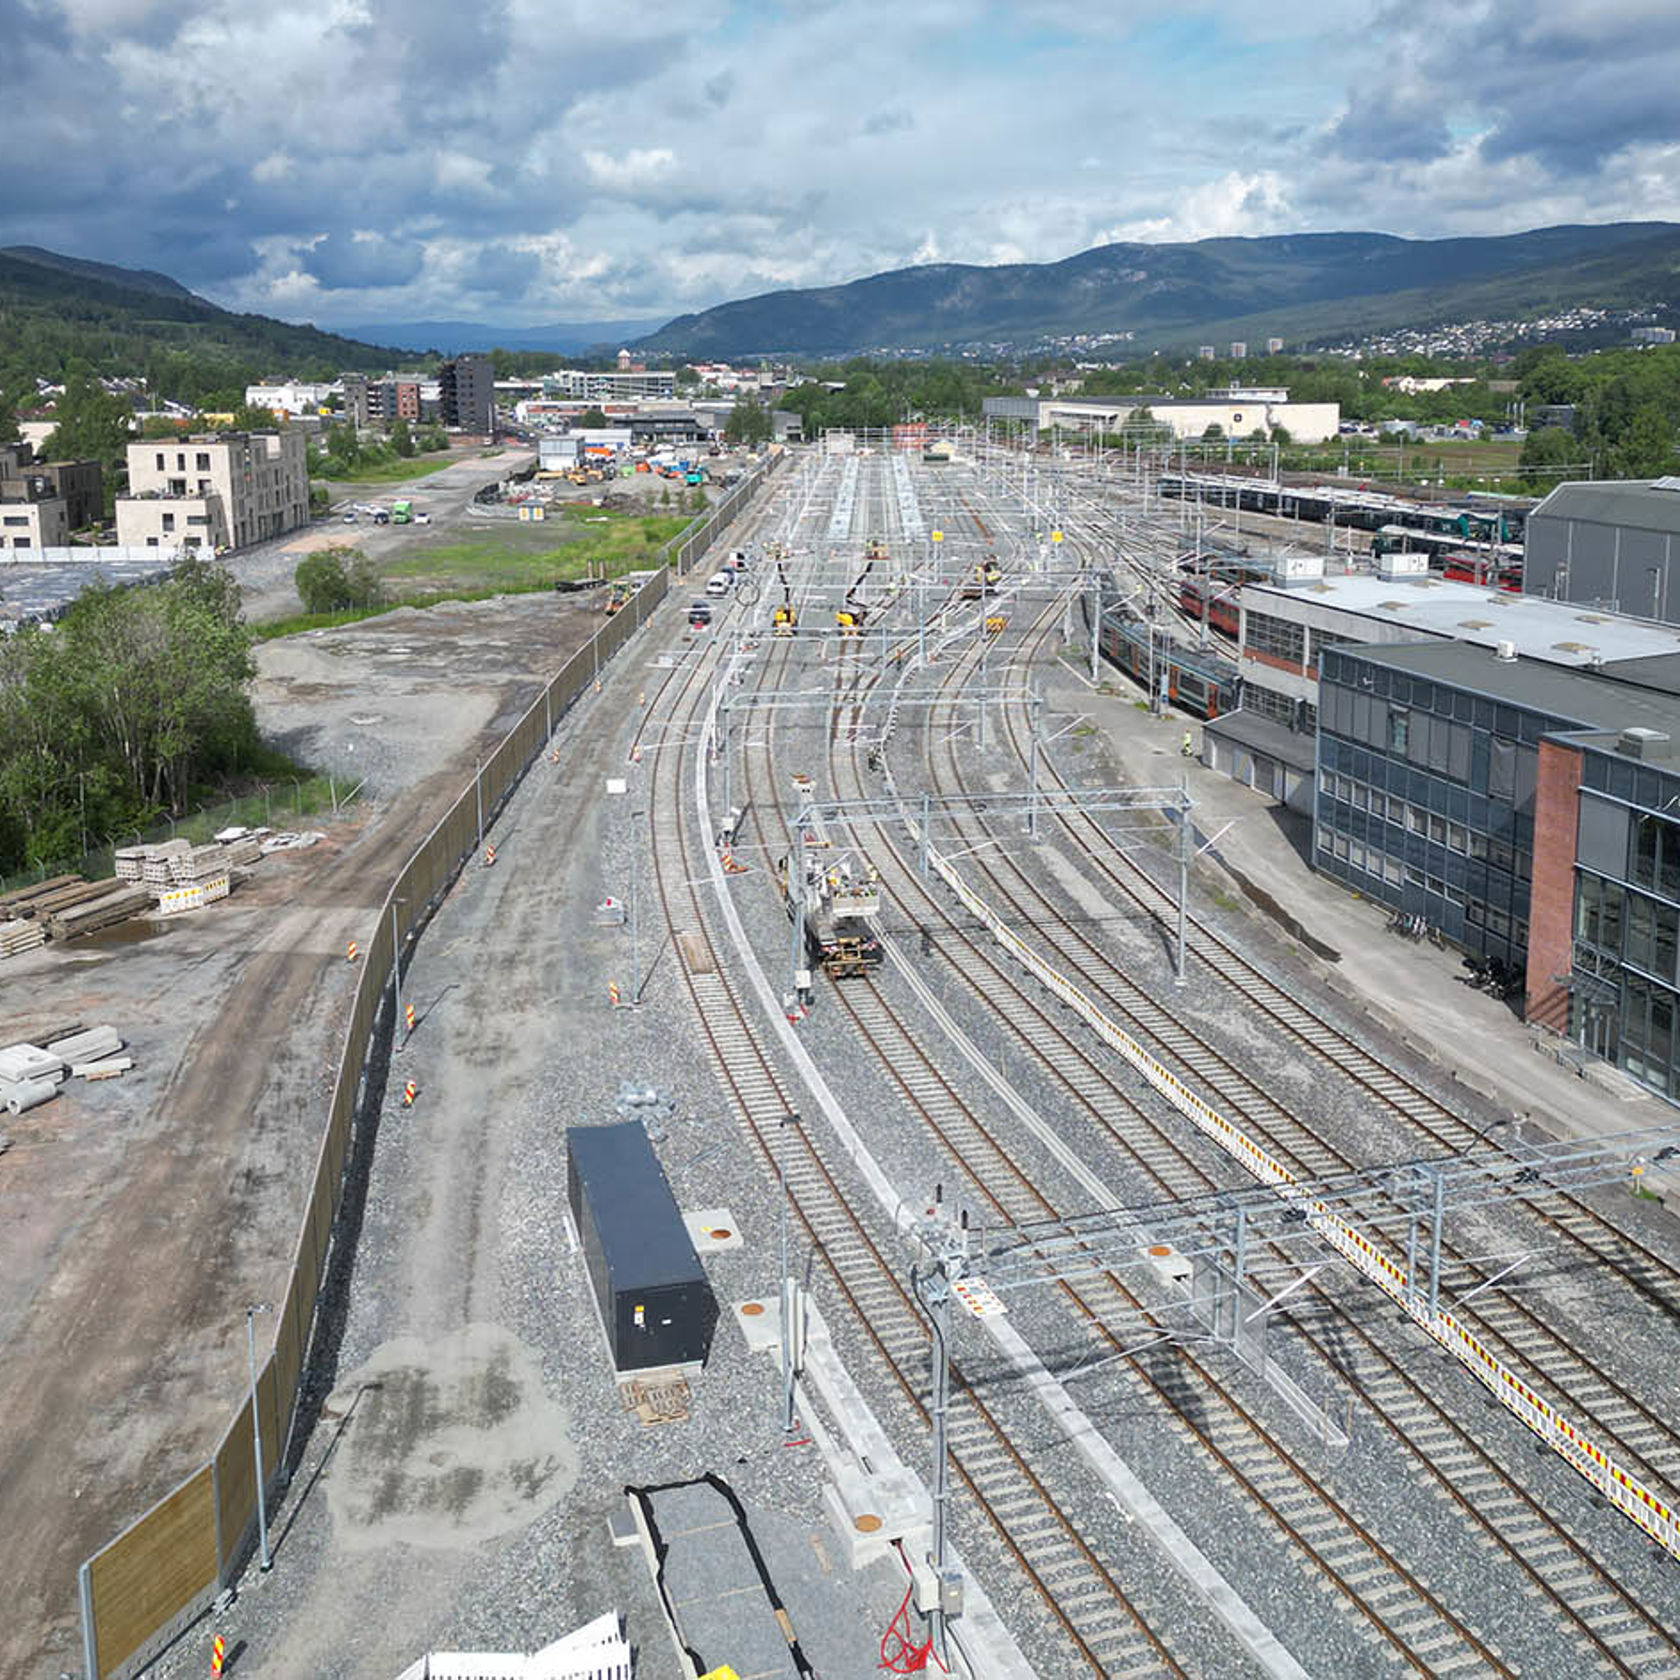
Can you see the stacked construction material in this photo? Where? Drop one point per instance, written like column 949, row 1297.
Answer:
column 197, row 863
column 243, row 852
column 157, row 863
column 113, row 902
column 31, row 1075
column 18, row 937
column 16, row 904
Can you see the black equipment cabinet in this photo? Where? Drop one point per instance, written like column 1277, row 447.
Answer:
column 656, row 1305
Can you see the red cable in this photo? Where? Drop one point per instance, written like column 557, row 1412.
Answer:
column 909, row 1658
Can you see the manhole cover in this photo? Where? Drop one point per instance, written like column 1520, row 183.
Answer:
column 868, row 1523
column 752, row 1309
column 721, row 1234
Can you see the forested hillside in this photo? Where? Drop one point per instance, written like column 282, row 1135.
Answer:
column 58, row 315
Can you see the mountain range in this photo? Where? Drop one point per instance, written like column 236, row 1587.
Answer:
column 450, row 338
column 1299, row 287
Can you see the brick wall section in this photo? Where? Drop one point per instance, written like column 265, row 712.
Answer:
column 1551, row 914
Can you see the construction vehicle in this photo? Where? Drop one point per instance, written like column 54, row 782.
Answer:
column 401, row 512
column 840, row 900
column 988, row 575
column 784, row 621
column 616, row 597
column 850, row 615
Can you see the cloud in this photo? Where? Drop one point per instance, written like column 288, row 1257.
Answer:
column 641, row 167
column 363, row 260
column 420, row 157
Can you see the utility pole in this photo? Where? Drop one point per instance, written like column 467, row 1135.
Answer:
column 789, row 1351
column 396, row 976
column 796, row 903
column 256, row 1429
column 1186, row 834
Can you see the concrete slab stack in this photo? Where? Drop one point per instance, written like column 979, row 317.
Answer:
column 18, row 937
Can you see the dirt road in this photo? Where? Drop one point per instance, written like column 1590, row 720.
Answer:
column 134, row 1231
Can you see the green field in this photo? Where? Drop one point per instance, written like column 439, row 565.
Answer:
column 514, row 556
column 393, row 472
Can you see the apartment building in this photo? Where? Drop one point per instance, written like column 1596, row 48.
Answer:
column 33, row 512
column 33, row 524
column 467, row 394
column 216, row 492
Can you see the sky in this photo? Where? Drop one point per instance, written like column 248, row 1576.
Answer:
column 532, row 161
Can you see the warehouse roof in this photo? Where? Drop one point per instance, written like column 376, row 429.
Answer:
column 1591, row 699
column 1650, row 505
column 1554, row 631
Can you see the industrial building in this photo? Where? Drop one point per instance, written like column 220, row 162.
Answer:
column 1608, row 545
column 1282, row 629
column 216, row 492
column 1527, row 811
column 594, row 387
column 1238, row 412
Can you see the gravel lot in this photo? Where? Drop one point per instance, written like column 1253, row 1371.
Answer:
column 155, row 1206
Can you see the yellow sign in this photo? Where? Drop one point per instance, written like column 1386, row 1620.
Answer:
column 724, row 1673
column 938, row 536
column 1055, row 536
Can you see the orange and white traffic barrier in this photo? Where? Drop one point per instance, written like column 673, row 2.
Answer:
column 730, row 866
column 408, row 1017
column 554, row 757
column 635, row 755
column 489, row 856
column 350, row 951
column 614, row 997
column 218, row 1654
column 410, row 1092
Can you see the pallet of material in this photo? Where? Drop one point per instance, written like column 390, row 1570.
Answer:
column 129, row 861
column 115, row 906
column 197, row 864
column 238, row 853
column 113, row 1067
column 18, row 901
column 94, row 1045
column 18, row 937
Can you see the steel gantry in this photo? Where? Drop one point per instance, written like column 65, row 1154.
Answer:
column 1214, row 1238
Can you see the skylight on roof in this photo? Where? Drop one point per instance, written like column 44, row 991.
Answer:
column 1669, row 483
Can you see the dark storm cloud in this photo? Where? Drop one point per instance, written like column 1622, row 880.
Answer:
column 1568, row 84
column 498, row 273
column 1388, row 125
column 349, row 262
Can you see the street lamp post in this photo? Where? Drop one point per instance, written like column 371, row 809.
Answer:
column 256, row 1428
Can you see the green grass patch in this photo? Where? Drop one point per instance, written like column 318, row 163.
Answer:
column 575, row 544
column 393, row 472
column 299, row 622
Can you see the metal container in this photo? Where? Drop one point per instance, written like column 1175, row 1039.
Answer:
column 656, row 1306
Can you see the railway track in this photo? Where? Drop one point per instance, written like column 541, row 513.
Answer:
column 1090, row 1606
column 1627, row 1639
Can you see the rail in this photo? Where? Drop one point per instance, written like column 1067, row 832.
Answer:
column 1569, row 1440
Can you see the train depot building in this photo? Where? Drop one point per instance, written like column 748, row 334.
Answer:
column 1529, row 811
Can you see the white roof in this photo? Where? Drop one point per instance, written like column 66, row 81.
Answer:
column 1554, row 631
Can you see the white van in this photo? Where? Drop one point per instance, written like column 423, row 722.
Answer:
column 720, row 583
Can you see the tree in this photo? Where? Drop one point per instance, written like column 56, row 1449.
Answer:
column 92, row 425
column 686, row 378
column 592, row 417
column 1544, row 452
column 433, row 439
column 247, row 417
column 1646, row 447
column 333, row 579
column 1214, row 433
column 402, row 440
column 749, row 421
